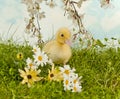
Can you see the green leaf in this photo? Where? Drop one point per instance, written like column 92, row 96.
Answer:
column 106, row 39
column 99, row 43
column 113, row 38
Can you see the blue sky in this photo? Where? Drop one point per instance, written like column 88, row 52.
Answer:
column 99, row 21
column 106, row 21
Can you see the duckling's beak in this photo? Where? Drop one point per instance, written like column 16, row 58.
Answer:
column 68, row 42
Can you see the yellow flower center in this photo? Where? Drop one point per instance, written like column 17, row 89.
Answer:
column 67, row 72
column 19, row 55
column 75, row 81
column 66, row 82
column 75, row 89
column 30, row 64
column 40, row 58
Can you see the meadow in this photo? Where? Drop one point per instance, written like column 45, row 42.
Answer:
column 99, row 68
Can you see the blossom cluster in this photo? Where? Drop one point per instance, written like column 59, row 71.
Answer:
column 112, row 43
column 30, row 75
column 35, row 15
column 72, row 8
column 106, row 3
column 31, row 72
column 71, row 80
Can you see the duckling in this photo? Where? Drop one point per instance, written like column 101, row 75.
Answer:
column 58, row 50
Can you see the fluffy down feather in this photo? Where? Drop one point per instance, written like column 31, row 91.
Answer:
column 58, row 50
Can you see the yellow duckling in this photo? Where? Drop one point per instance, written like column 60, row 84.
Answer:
column 58, row 50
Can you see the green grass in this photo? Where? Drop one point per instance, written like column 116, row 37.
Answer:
column 100, row 71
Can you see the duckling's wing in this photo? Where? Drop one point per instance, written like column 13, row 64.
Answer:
column 48, row 46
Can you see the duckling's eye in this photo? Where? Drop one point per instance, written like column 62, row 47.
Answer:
column 62, row 35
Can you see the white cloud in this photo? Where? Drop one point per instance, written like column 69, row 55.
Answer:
column 54, row 20
column 109, row 23
column 84, row 7
column 12, row 14
column 90, row 20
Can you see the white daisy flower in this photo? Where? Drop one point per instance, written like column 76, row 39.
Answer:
column 66, row 70
column 76, row 84
column 36, row 49
column 67, row 84
column 72, row 82
column 30, row 64
column 72, row 76
column 77, row 87
column 68, row 81
column 40, row 58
